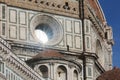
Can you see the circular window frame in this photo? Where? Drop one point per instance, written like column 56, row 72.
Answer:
column 55, row 25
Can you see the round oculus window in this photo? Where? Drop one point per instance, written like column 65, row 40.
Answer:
column 43, row 32
column 46, row 30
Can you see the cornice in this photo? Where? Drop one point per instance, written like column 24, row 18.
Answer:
column 99, row 66
column 97, row 23
column 63, row 7
column 15, row 62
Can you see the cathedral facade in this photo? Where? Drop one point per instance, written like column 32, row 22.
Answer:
column 54, row 40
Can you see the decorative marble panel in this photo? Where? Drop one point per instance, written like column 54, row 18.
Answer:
column 3, row 12
column 68, row 26
column 3, row 29
column 13, row 16
column 77, row 26
column 78, row 42
column 13, row 32
column 23, row 33
column 22, row 17
column 88, row 42
column 69, row 40
column 89, row 71
column 87, row 26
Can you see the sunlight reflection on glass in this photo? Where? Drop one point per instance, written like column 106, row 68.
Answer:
column 41, row 35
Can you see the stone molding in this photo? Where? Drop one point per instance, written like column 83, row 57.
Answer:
column 64, row 7
column 17, row 64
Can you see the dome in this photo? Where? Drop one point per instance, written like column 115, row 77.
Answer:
column 113, row 74
column 48, row 54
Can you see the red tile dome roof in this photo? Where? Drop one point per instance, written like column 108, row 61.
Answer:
column 48, row 54
column 45, row 55
column 113, row 74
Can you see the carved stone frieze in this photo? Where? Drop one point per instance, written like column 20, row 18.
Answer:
column 62, row 7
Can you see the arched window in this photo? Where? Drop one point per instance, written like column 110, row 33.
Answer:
column 75, row 75
column 44, row 71
column 61, row 73
column 106, row 35
column 99, row 52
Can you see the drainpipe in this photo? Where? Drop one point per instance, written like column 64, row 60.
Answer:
column 81, row 15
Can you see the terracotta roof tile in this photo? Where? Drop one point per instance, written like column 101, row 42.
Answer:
column 48, row 54
column 113, row 74
column 97, row 9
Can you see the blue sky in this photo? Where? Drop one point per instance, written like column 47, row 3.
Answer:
column 111, row 10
